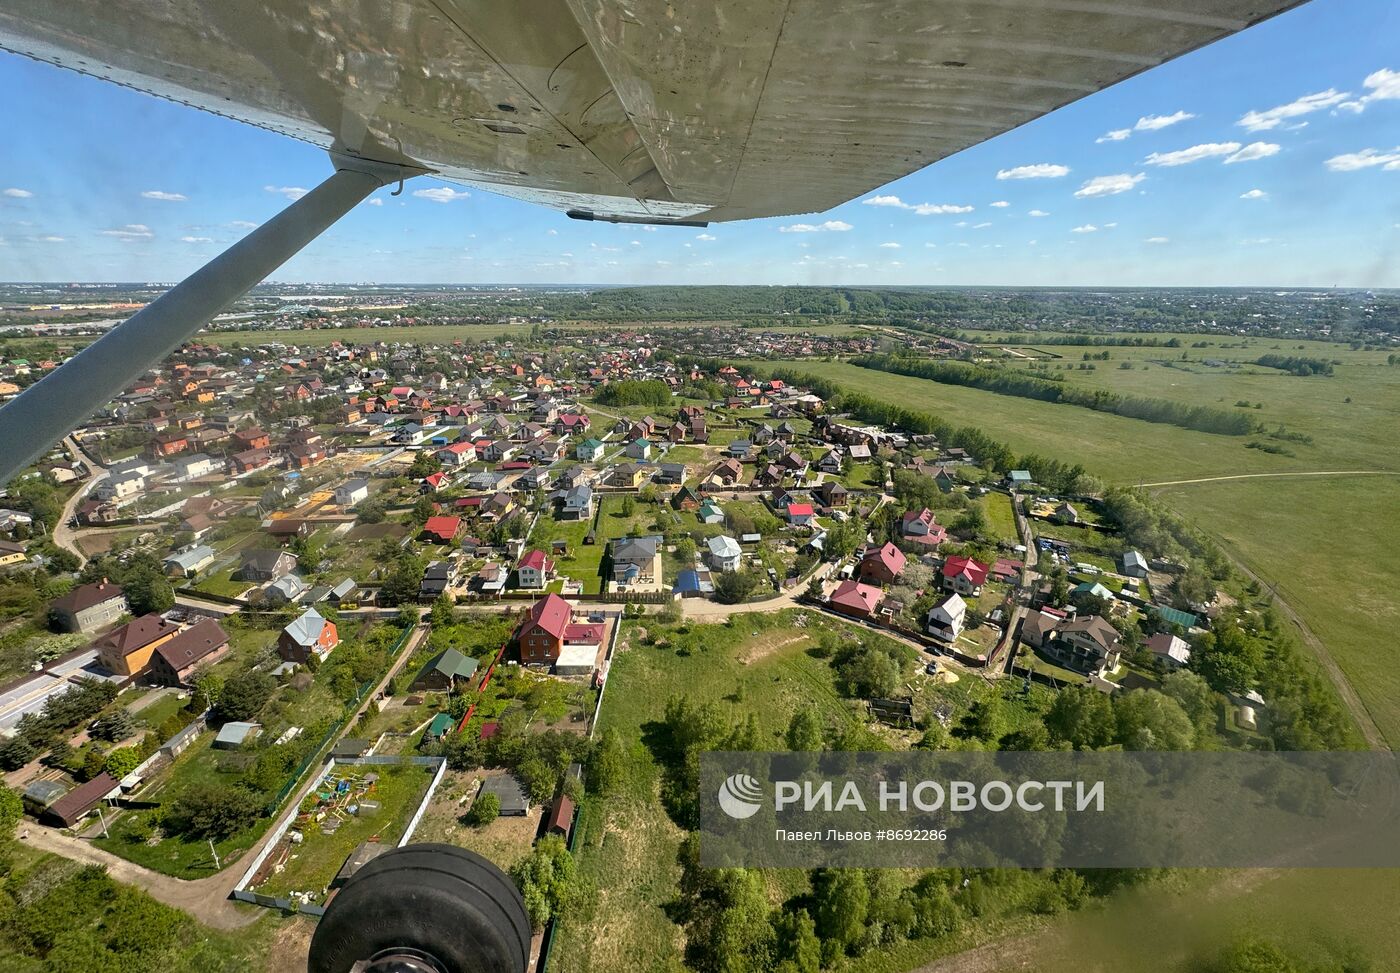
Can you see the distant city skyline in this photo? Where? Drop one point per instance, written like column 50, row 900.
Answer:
column 1271, row 158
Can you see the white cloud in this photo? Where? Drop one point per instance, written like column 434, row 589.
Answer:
column 1151, row 123
column 17, row 193
column 1252, row 151
column 132, row 231
column 981, row 226
column 833, row 226
column 1000, row 204
column 1038, row 212
column 922, row 209
column 243, row 225
column 164, row 196
column 1108, row 185
column 195, row 239
column 1384, row 85
column 375, row 201
column 551, row 232
column 1254, row 194
column 1263, row 121
column 291, row 192
column 1156, row 239
column 1117, row 135
column 889, row 246
column 648, row 229
column 50, row 239
column 705, row 236
column 931, row 246
column 961, row 223
column 1365, row 159
column 1086, row 228
column 1040, row 170
column 442, row 194
column 1181, row 157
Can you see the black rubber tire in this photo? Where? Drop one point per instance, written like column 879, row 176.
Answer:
column 442, row 900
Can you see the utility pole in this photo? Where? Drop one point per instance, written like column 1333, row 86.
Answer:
column 103, row 818
column 215, row 852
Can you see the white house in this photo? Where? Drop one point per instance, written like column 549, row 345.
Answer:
column 588, row 450
column 724, row 553
column 639, row 449
column 192, row 467
column 534, row 570
column 945, row 621
column 352, row 492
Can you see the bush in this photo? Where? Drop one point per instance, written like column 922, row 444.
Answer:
column 485, row 809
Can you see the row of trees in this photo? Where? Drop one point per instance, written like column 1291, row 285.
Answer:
column 1296, row 364
column 1023, row 385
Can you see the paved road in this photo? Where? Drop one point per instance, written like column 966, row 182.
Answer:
column 1253, row 476
column 63, row 535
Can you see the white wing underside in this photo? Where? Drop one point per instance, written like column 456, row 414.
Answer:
column 648, row 110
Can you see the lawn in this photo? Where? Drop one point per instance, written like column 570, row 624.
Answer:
column 314, row 862
column 1001, row 522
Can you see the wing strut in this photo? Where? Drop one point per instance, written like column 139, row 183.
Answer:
column 48, row 410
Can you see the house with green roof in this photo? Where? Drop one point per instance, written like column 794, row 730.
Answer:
column 445, row 672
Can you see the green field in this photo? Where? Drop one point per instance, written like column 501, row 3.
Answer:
column 1322, row 540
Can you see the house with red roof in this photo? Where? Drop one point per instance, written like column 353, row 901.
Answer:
column 964, row 575
column 441, row 529
column 855, row 600
column 800, row 514
column 541, row 635
column 919, row 527
column 434, row 482
column 534, row 570
column 882, row 565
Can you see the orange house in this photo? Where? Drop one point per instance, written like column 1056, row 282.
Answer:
column 126, row 651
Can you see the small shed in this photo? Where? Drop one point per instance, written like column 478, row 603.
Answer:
column 41, row 795
column 438, row 728
column 231, row 736
column 350, row 747
column 561, row 817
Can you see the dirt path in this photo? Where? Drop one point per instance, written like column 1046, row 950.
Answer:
column 206, row 899
column 63, row 535
column 1254, row 476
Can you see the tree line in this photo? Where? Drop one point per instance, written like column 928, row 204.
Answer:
column 1006, row 382
column 1296, row 364
column 650, row 392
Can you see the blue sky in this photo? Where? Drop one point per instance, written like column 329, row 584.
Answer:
column 1270, row 158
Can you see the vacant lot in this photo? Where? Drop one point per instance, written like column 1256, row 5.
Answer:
column 627, row 849
column 504, row 841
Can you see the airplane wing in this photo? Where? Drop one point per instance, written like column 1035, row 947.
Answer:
column 636, row 110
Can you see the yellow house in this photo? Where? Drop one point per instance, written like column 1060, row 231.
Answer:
column 11, row 553
column 126, row 651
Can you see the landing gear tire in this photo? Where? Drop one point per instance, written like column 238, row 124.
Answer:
column 426, row 908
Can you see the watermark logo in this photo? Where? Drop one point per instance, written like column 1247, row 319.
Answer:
column 740, row 796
